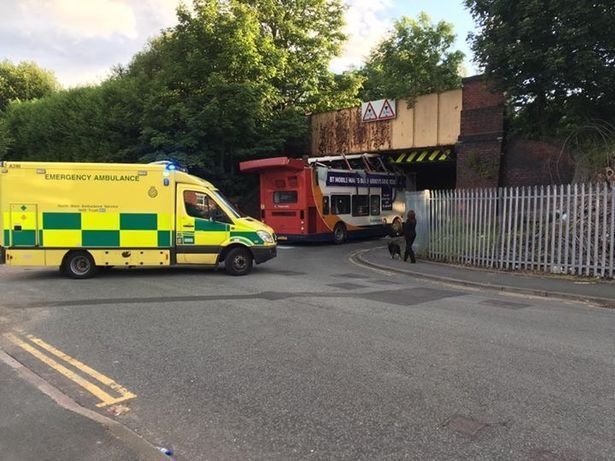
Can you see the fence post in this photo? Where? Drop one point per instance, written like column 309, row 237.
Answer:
column 575, row 206
column 560, row 236
column 596, row 230
column 605, row 198
column 534, row 253
column 588, row 248
column 450, row 226
column 502, row 220
column 567, row 232
column 526, row 216
column 554, row 227
column 612, row 232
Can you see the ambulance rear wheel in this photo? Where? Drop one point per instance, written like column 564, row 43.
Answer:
column 339, row 233
column 238, row 261
column 79, row 265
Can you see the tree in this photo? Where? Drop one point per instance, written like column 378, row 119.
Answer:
column 555, row 60
column 236, row 79
column 24, row 81
column 5, row 138
column 306, row 35
column 414, row 59
column 87, row 124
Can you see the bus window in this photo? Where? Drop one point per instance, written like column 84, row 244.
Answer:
column 285, row 196
column 340, row 204
column 325, row 205
column 360, row 205
column 374, row 205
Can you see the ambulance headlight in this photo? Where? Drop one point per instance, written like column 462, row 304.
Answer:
column 265, row 236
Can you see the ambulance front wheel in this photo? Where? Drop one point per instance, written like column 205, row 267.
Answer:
column 78, row 265
column 238, row 261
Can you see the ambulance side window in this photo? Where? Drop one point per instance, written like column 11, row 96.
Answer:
column 199, row 205
column 215, row 212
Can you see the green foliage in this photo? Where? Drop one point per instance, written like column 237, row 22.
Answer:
column 592, row 148
column 234, row 80
column 80, row 125
column 555, row 60
column 24, row 81
column 306, row 35
column 6, row 139
column 414, row 59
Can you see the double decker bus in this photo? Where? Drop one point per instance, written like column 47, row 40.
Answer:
column 333, row 198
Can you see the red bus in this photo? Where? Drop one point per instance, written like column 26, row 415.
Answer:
column 331, row 198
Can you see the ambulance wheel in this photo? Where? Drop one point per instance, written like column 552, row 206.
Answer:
column 339, row 233
column 79, row 265
column 396, row 227
column 238, row 261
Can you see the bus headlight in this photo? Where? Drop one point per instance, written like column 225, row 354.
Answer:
column 265, row 236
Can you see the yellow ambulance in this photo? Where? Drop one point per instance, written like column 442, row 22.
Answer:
column 84, row 216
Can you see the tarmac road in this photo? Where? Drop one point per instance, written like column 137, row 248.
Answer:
column 315, row 357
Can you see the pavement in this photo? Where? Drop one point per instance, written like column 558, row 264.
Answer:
column 38, row 423
column 592, row 290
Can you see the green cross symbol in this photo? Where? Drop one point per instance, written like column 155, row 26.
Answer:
column 24, row 208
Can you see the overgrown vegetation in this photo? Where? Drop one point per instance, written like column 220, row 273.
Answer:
column 414, row 59
column 233, row 80
column 237, row 79
column 555, row 60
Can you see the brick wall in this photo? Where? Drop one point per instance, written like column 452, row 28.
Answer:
column 535, row 163
column 479, row 149
column 478, row 95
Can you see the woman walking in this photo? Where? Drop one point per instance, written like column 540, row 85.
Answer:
column 410, row 235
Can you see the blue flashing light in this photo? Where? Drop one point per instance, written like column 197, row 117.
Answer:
column 169, row 166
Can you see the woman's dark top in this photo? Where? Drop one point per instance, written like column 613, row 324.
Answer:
column 410, row 229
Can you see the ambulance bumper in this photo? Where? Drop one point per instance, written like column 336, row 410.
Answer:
column 262, row 254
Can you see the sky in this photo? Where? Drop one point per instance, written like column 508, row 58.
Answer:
column 81, row 40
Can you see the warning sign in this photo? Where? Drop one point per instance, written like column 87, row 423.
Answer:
column 383, row 109
column 369, row 114
column 387, row 111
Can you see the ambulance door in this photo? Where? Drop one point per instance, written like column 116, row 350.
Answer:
column 202, row 227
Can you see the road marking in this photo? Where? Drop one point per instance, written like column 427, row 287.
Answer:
column 105, row 398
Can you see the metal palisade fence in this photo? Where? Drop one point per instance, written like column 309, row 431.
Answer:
column 565, row 229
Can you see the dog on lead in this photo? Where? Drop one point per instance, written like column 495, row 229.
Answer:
column 394, row 249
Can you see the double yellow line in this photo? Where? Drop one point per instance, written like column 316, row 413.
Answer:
column 105, row 398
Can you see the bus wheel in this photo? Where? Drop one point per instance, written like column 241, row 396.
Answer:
column 79, row 265
column 396, row 227
column 238, row 261
column 339, row 233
